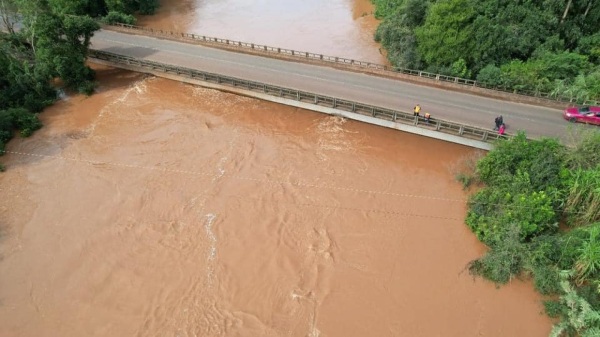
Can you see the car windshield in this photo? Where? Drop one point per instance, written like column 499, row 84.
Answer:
column 584, row 109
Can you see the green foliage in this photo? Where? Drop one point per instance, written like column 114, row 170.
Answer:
column 541, row 160
column 587, row 265
column 396, row 32
column 580, row 318
column 505, row 261
column 61, row 46
column 492, row 209
column 447, row 33
column 132, row 6
column 529, row 186
column 387, row 8
column 117, row 17
column 554, row 309
column 584, row 87
column 556, row 66
column 465, row 179
column 590, row 46
column 490, row 75
column 582, row 204
column 147, row 6
column 25, row 121
column 459, row 69
column 585, row 150
column 539, row 46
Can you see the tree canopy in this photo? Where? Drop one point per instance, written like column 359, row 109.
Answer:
column 51, row 44
column 494, row 40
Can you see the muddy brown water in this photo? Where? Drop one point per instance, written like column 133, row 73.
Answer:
column 155, row 208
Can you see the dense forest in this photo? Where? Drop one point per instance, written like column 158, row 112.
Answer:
column 43, row 47
column 535, row 46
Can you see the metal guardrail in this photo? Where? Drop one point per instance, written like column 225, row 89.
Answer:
column 348, row 62
column 462, row 130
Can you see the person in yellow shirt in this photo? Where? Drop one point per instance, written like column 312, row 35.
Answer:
column 417, row 110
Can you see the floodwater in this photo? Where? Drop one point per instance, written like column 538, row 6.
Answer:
column 155, row 208
column 342, row 28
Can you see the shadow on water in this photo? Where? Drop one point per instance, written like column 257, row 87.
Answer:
column 133, row 51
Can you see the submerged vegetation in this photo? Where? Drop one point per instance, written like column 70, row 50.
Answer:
column 51, row 44
column 550, row 46
column 538, row 210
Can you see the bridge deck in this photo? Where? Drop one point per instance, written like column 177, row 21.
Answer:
column 363, row 88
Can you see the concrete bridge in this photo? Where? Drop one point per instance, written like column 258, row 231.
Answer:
column 309, row 81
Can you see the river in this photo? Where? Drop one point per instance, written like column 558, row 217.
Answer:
column 156, row 208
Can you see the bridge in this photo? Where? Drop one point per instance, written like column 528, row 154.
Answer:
column 320, row 83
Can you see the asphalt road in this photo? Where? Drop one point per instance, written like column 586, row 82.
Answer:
column 388, row 93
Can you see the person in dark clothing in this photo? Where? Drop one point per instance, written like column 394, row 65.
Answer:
column 498, row 121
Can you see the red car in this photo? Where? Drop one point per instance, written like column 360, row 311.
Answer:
column 585, row 114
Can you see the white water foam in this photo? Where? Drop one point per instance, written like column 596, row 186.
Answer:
column 212, row 251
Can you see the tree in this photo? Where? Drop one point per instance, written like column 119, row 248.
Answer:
column 446, row 35
column 60, row 43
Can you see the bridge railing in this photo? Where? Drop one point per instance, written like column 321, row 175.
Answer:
column 448, row 127
column 350, row 62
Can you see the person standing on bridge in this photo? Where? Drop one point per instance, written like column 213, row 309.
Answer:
column 498, row 121
column 417, row 110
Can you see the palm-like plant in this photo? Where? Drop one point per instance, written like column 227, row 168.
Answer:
column 580, row 318
column 588, row 262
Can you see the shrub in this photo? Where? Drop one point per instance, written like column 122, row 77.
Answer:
column 505, row 260
column 465, row 179
column 148, row 6
column 578, row 316
column 25, row 121
column 118, row 17
column 540, row 159
column 582, row 202
column 553, row 308
column 86, row 87
column 490, row 75
column 585, row 153
column 493, row 208
column 544, row 254
column 587, row 265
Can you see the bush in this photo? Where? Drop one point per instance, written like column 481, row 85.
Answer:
column 25, row 121
column 544, row 254
column 6, row 126
column 492, row 208
column 587, row 265
column 553, row 308
column 490, row 75
column 505, row 261
column 87, row 87
column 579, row 318
column 585, row 153
column 540, row 159
column 118, row 17
column 582, row 204
column 465, row 179
column 148, row 6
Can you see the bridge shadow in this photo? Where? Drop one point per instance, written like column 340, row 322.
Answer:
column 133, row 51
